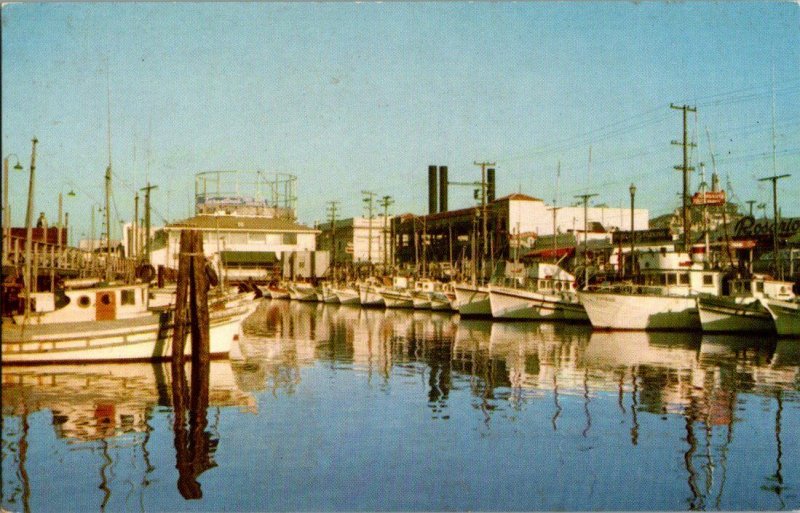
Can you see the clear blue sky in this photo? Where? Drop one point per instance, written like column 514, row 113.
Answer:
column 364, row 96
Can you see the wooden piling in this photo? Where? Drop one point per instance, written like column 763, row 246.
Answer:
column 181, row 293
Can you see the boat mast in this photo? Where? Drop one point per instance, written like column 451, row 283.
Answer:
column 108, row 181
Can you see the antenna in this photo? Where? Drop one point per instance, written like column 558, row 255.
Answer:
column 108, row 108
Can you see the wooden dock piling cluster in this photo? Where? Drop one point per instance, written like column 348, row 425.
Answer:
column 193, row 447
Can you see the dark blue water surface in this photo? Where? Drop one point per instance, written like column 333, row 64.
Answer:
column 339, row 408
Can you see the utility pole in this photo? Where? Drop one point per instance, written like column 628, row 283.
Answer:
column 369, row 200
column 484, row 219
column 555, row 238
column 332, row 207
column 777, row 256
column 750, row 203
column 386, row 201
column 135, row 235
column 147, row 190
column 108, row 222
column 585, row 198
column 685, row 168
column 29, row 230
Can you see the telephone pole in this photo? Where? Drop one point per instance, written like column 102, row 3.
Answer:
column 332, row 208
column 777, row 256
column 555, row 238
column 585, row 198
column 484, row 227
column 685, row 168
column 369, row 200
column 386, row 201
column 147, row 219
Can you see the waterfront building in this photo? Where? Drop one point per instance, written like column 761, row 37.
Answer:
column 358, row 240
column 445, row 238
column 249, row 228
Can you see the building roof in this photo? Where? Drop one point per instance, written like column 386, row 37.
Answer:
column 518, row 196
column 243, row 223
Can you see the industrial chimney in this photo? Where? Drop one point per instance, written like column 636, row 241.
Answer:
column 431, row 189
column 442, row 188
column 490, row 184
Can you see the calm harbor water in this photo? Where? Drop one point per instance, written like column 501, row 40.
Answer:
column 339, row 408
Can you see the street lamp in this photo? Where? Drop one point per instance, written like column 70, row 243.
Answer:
column 632, row 190
column 6, row 207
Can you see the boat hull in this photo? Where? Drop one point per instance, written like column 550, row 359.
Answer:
column 370, row 296
column 146, row 338
column 473, row 301
column 397, row 299
column 508, row 303
column 734, row 315
column 786, row 315
column 348, row 296
column 617, row 311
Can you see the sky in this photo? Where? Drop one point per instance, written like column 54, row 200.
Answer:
column 364, row 96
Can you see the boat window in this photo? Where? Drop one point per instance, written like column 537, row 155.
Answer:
column 672, row 279
column 759, row 286
column 290, row 238
column 708, row 279
column 663, row 279
column 128, row 297
column 684, row 278
column 105, row 299
column 84, row 301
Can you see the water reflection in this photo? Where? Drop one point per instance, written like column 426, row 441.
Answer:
column 506, row 366
column 531, row 416
column 106, row 410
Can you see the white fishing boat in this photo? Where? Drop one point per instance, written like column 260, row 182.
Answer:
column 276, row 291
column 472, row 300
column 785, row 314
column 545, row 292
column 666, row 298
column 302, row 291
column 347, row 295
column 370, row 294
column 741, row 310
column 103, row 333
column 327, row 294
column 397, row 298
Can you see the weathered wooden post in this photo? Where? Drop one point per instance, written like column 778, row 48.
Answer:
column 181, row 293
column 192, row 448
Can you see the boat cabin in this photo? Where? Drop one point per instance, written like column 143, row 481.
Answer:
column 760, row 286
column 98, row 303
column 677, row 274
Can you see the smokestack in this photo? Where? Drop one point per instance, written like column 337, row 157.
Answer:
column 431, row 189
column 490, row 184
column 442, row 188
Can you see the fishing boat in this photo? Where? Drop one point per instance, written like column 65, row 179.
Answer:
column 276, row 291
column 545, row 292
column 785, row 314
column 326, row 294
column 666, row 298
column 741, row 310
column 398, row 295
column 105, row 331
column 370, row 293
column 347, row 295
column 302, row 291
column 472, row 300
